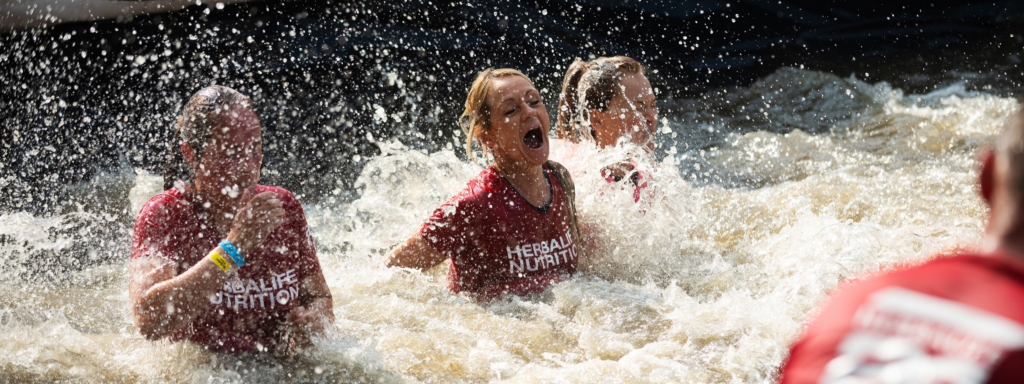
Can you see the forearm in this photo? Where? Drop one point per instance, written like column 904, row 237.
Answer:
column 414, row 252
column 171, row 304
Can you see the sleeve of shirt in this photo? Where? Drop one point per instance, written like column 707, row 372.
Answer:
column 153, row 235
column 447, row 228
column 299, row 235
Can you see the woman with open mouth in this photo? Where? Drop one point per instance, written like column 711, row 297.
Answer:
column 604, row 102
column 513, row 229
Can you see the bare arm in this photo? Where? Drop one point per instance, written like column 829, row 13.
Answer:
column 163, row 302
column 416, row 253
column 589, row 244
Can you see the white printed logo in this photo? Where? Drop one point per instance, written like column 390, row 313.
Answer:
column 903, row 336
column 542, row 255
column 282, row 288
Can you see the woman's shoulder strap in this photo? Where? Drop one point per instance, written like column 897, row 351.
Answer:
column 564, row 178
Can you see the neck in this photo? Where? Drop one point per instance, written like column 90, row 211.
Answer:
column 216, row 213
column 528, row 180
column 519, row 174
column 1005, row 229
column 1009, row 241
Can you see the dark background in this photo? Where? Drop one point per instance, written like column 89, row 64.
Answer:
column 82, row 101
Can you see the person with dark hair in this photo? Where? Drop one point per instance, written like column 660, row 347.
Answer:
column 513, row 229
column 218, row 259
column 950, row 320
column 605, row 101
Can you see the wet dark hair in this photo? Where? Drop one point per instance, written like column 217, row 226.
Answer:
column 200, row 115
column 592, row 83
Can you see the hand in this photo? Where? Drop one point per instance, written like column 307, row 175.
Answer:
column 306, row 321
column 257, row 218
column 299, row 327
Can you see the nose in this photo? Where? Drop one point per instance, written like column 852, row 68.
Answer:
column 255, row 162
column 249, row 165
column 530, row 111
column 651, row 116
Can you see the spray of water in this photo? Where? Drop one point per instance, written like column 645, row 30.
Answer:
column 756, row 207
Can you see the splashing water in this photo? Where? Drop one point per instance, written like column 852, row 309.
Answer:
column 762, row 200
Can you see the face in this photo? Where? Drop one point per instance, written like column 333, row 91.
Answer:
column 632, row 114
column 518, row 132
column 231, row 159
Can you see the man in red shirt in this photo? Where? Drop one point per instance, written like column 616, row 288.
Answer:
column 951, row 320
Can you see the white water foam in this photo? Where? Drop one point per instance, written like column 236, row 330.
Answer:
column 698, row 282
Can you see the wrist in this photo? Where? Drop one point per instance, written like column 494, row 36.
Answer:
column 225, row 263
column 233, row 252
column 236, row 240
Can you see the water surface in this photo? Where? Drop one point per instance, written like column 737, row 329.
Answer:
column 765, row 199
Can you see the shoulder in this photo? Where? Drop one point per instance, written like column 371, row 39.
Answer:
column 959, row 278
column 559, row 171
column 482, row 187
column 952, row 290
column 289, row 200
column 555, row 166
column 951, row 273
column 562, row 176
column 166, row 198
column 927, row 276
column 469, row 201
column 281, row 193
column 164, row 204
column 161, row 216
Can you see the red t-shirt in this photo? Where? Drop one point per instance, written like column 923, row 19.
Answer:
column 247, row 313
column 954, row 320
column 498, row 242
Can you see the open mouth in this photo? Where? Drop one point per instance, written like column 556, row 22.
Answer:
column 534, row 139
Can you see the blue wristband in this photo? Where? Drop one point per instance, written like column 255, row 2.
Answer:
column 233, row 252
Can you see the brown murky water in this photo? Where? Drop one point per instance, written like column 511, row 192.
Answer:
column 704, row 282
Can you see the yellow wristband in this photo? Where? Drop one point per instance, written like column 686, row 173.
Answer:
column 220, row 261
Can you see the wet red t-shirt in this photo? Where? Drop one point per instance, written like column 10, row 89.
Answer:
column 954, row 320
column 247, row 313
column 498, row 242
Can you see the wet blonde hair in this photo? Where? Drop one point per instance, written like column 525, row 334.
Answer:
column 477, row 115
column 590, row 85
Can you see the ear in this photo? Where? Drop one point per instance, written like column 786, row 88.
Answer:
column 486, row 138
column 987, row 175
column 597, row 119
column 189, row 154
